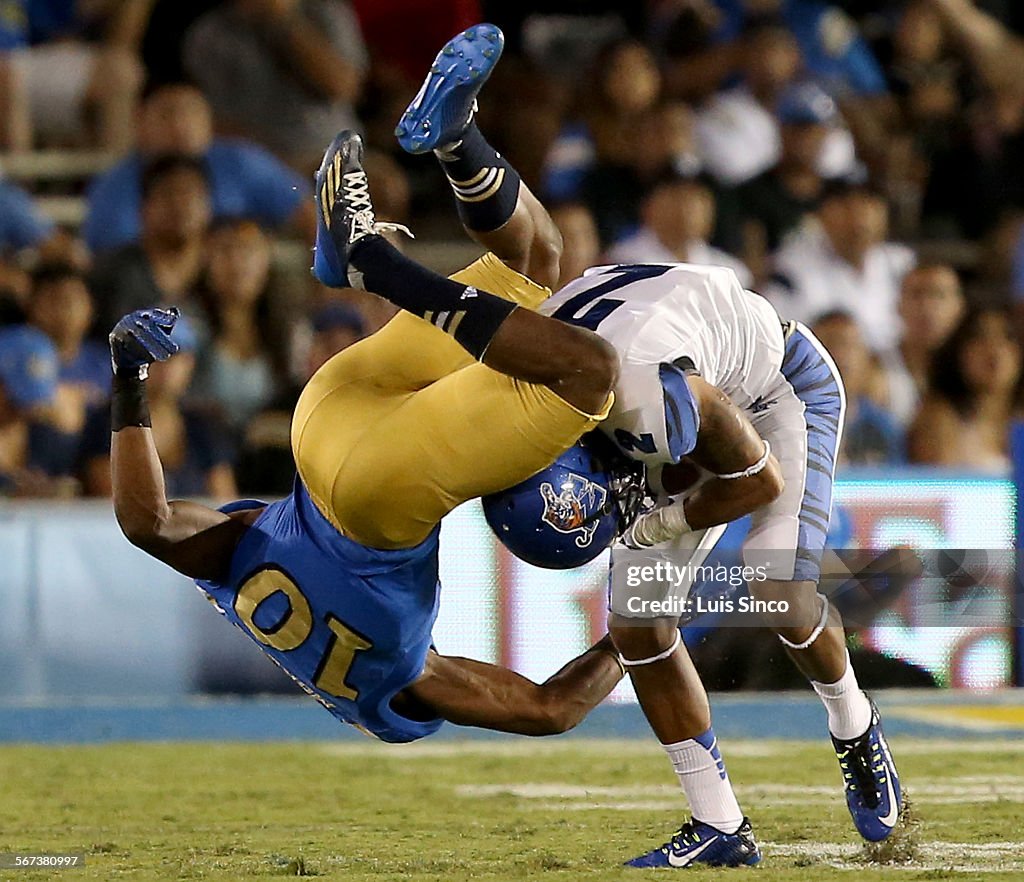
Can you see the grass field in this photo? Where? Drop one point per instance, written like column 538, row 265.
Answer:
column 556, row 810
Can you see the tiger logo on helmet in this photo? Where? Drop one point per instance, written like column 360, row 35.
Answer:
column 575, row 508
column 567, row 514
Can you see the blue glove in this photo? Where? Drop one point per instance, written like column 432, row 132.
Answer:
column 142, row 337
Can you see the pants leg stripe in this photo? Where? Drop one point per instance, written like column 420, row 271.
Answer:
column 815, row 380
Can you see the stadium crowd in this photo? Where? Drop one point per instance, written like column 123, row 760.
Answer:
column 856, row 161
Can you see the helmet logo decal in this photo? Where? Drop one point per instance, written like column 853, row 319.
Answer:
column 575, row 508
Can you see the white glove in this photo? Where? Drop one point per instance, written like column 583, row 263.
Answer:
column 661, row 525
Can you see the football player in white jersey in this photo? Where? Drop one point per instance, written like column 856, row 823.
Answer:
column 711, row 377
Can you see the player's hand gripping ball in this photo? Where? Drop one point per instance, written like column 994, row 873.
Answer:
column 142, row 337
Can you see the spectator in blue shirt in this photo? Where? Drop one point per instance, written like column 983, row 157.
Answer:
column 625, row 84
column 703, row 53
column 28, row 372
column 13, row 24
column 22, row 225
column 28, row 392
column 246, row 358
column 62, row 308
column 245, row 180
column 163, row 267
column 834, row 53
column 265, row 464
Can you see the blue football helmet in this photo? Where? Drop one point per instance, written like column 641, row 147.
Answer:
column 567, row 514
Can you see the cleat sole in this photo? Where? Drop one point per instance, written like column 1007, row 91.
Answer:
column 438, row 113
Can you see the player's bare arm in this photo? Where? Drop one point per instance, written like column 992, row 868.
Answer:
column 728, row 444
column 747, row 474
column 473, row 693
column 194, row 540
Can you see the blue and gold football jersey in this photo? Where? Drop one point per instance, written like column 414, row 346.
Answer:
column 350, row 624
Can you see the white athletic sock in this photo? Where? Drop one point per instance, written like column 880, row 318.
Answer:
column 849, row 713
column 701, row 771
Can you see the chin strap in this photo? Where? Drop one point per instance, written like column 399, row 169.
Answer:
column 661, row 656
column 816, row 633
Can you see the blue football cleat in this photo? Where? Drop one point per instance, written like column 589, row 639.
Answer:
column 871, row 781
column 699, row 843
column 344, row 212
column 446, row 101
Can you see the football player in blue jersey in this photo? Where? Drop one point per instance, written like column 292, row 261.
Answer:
column 465, row 392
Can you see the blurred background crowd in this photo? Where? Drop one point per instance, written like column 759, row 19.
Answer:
column 858, row 162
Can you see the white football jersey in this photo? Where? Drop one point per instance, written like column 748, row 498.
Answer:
column 679, row 315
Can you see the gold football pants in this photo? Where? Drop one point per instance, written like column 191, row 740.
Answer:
column 397, row 430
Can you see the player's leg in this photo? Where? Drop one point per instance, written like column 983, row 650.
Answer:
column 666, row 683
column 386, row 462
column 576, row 364
column 419, row 455
column 473, row 693
column 675, row 703
column 496, row 207
column 788, row 536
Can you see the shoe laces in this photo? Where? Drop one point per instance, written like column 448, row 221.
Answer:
column 863, row 767
column 683, row 838
column 364, row 221
column 357, row 191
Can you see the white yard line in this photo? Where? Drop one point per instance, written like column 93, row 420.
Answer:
column 999, row 857
column 562, row 791
column 926, row 791
column 991, row 857
column 677, row 805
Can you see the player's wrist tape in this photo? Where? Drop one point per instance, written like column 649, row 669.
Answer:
column 128, row 404
column 816, row 633
column 752, row 470
column 660, row 525
column 661, row 656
